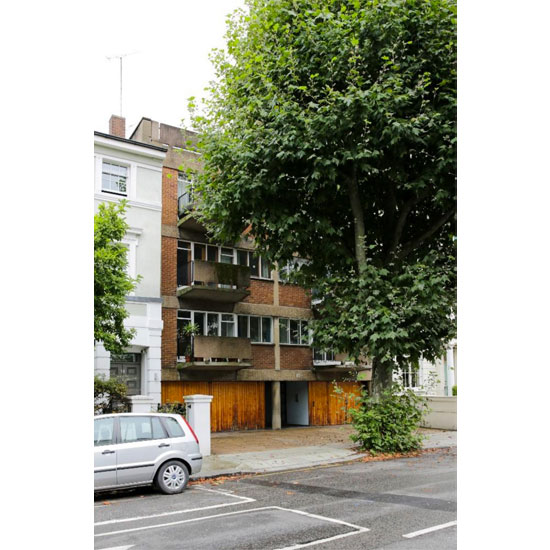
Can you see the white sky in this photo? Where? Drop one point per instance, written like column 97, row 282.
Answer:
column 172, row 41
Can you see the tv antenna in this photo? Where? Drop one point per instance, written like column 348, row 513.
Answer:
column 120, row 57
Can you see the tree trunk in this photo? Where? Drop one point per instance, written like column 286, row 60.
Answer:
column 358, row 221
column 381, row 377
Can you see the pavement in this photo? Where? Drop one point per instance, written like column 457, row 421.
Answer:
column 263, row 451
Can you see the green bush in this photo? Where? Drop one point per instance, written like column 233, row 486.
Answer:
column 389, row 423
column 173, row 408
column 454, row 389
column 110, row 396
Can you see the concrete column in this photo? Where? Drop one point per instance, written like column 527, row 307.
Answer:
column 276, row 405
column 450, row 363
column 198, row 416
column 143, row 404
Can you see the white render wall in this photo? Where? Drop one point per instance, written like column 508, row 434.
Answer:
column 143, row 214
column 442, row 414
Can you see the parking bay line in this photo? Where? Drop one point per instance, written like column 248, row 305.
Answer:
column 358, row 528
column 244, row 500
column 429, row 529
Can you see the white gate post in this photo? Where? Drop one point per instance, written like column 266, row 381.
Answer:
column 198, row 416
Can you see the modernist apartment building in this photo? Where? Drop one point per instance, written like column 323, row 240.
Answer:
column 126, row 169
column 252, row 349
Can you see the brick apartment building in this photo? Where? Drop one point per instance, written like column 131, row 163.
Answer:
column 252, row 350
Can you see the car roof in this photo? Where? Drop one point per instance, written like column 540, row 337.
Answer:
column 134, row 414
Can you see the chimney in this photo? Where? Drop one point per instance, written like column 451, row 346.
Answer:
column 117, row 126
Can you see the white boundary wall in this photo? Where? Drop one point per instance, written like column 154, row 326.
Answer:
column 443, row 413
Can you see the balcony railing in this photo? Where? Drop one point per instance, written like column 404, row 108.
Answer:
column 214, row 281
column 218, row 352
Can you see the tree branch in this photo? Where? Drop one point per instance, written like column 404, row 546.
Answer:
column 398, row 231
column 411, row 245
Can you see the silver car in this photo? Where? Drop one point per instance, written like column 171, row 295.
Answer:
column 132, row 449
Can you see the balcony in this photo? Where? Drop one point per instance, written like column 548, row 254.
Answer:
column 215, row 282
column 218, row 352
column 186, row 215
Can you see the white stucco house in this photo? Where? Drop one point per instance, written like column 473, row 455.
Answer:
column 434, row 379
column 125, row 169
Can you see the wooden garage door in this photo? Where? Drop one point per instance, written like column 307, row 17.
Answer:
column 236, row 405
column 327, row 407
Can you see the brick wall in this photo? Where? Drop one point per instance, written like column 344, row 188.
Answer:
column 169, row 343
column 169, row 197
column 169, row 266
column 261, row 292
column 294, row 296
column 263, row 357
column 296, row 357
column 169, row 258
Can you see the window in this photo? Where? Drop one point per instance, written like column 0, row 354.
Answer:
column 103, row 431
column 113, row 178
column 228, row 324
column 183, row 340
column 259, row 267
column 212, row 253
column 139, row 428
column 409, row 378
column 258, row 329
column 212, row 324
column 173, row 427
column 283, row 331
column 323, row 356
column 286, row 272
column 226, row 256
column 185, row 192
column 294, row 331
column 184, row 263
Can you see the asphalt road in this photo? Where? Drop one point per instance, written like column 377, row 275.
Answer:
column 402, row 504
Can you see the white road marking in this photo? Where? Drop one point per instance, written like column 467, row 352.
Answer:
column 119, row 547
column 320, row 541
column 359, row 529
column 137, row 518
column 429, row 530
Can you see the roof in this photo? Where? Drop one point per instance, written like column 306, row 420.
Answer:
column 131, row 141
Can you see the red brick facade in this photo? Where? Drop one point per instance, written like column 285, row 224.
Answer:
column 294, row 296
column 169, row 266
column 263, row 356
column 169, row 342
column 296, row 357
column 169, row 196
column 261, row 292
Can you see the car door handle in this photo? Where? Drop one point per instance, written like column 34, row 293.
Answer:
column 164, row 445
column 108, row 452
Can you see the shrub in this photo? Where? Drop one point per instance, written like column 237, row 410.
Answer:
column 454, row 390
column 389, row 423
column 173, row 408
column 110, row 396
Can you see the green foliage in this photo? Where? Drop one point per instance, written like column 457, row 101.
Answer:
column 331, row 128
column 110, row 396
column 399, row 313
column 388, row 423
column 173, row 408
column 111, row 282
column 454, row 390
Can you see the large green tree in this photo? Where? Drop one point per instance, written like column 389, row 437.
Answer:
column 331, row 129
column 111, row 281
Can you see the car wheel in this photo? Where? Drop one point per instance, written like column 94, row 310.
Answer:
column 172, row 477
